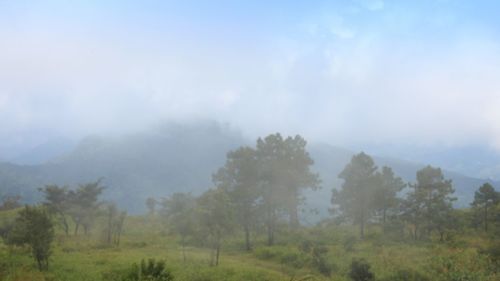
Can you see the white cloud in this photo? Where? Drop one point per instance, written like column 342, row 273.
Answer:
column 361, row 84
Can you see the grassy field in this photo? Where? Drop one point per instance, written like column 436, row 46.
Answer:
column 87, row 258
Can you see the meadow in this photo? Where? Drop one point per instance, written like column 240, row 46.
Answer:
column 86, row 257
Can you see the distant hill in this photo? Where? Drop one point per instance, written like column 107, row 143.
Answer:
column 45, row 152
column 179, row 158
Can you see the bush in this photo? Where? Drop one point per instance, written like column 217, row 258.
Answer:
column 34, row 228
column 266, row 253
column 349, row 243
column 293, row 259
column 147, row 271
column 360, row 271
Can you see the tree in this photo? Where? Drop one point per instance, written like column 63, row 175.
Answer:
column 84, row 204
column 430, row 202
column 114, row 223
column 179, row 210
column 57, row 203
column 33, row 227
column 354, row 199
column 484, row 199
column 385, row 194
column 215, row 219
column 284, row 173
column 239, row 178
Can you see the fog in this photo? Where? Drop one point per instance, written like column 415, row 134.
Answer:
column 250, row 140
column 350, row 72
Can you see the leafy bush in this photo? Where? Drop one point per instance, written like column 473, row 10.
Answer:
column 349, row 243
column 33, row 227
column 293, row 259
column 266, row 253
column 360, row 271
column 147, row 271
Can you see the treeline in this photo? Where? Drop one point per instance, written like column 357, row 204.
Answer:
column 259, row 191
column 424, row 207
column 79, row 208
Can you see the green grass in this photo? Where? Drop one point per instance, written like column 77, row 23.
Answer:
column 84, row 258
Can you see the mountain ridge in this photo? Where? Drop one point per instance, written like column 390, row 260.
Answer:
column 182, row 158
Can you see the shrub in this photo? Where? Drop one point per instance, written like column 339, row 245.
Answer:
column 147, row 271
column 34, row 228
column 349, row 243
column 293, row 259
column 360, row 271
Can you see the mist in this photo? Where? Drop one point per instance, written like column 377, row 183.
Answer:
column 259, row 140
column 341, row 73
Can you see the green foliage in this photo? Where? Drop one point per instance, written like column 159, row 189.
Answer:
column 385, row 201
column 360, row 271
column 485, row 199
column 406, row 275
column 349, row 243
column 461, row 265
column 215, row 219
column 285, row 170
column 33, row 227
column 354, row 199
column 239, row 178
column 10, row 202
column 150, row 270
column 84, row 204
column 428, row 207
column 113, row 225
column 58, row 203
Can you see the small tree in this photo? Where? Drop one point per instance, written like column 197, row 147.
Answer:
column 215, row 219
column 355, row 198
column 385, row 195
column 179, row 209
column 239, row 178
column 33, row 227
column 114, row 224
column 84, row 204
column 484, row 199
column 57, row 203
column 430, row 201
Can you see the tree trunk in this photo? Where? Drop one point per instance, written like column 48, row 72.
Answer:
column 294, row 212
column 485, row 218
column 77, row 225
column 270, row 227
column 362, row 225
column 270, row 235
column 183, row 249
column 64, row 223
column 217, row 254
column 110, row 228
column 248, row 246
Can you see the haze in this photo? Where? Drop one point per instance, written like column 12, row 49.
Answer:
column 350, row 73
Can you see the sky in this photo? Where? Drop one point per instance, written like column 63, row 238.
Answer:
column 346, row 72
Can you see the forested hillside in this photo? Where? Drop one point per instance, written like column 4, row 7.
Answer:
column 175, row 158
